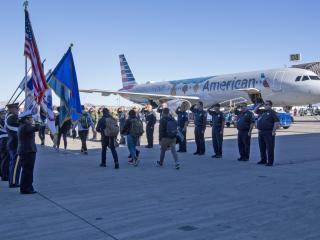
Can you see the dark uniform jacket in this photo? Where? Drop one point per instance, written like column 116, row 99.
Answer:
column 217, row 118
column 182, row 118
column 26, row 136
column 266, row 119
column 244, row 121
column 3, row 131
column 12, row 124
column 150, row 119
column 200, row 117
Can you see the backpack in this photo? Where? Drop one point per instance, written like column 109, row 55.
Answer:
column 136, row 128
column 112, row 128
column 172, row 128
column 85, row 121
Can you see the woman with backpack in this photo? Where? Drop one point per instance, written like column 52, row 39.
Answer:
column 84, row 123
column 108, row 128
column 133, row 128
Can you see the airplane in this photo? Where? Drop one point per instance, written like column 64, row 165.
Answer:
column 286, row 87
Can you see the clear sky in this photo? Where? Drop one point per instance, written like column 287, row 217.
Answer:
column 162, row 40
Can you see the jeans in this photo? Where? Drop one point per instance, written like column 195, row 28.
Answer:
column 132, row 145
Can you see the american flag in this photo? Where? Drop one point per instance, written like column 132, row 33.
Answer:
column 31, row 52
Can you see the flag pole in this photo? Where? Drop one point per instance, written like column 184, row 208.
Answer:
column 25, row 4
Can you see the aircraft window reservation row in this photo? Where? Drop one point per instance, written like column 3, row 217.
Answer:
column 306, row 78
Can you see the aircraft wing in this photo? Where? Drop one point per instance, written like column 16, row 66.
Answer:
column 147, row 96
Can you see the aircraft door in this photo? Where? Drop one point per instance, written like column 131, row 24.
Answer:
column 277, row 81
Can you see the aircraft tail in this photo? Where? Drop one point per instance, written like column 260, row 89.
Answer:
column 128, row 80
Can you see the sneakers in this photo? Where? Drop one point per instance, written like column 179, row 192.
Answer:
column 159, row 164
column 130, row 161
column 136, row 162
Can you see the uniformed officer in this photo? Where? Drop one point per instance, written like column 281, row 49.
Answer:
column 27, row 151
column 200, row 122
column 245, row 124
column 11, row 125
column 4, row 156
column 217, row 129
column 183, row 121
column 151, row 120
column 267, row 124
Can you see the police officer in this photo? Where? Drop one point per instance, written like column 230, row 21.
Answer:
column 245, row 124
column 200, row 122
column 217, row 129
column 151, row 120
column 27, row 151
column 267, row 124
column 4, row 156
column 12, row 124
column 183, row 121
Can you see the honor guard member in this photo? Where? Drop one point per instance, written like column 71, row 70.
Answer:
column 200, row 122
column 11, row 125
column 151, row 120
column 245, row 124
column 217, row 129
column 4, row 156
column 267, row 124
column 183, row 121
column 27, row 151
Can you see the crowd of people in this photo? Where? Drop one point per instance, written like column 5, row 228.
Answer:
column 18, row 148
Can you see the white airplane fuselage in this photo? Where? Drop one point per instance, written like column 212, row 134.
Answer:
column 278, row 85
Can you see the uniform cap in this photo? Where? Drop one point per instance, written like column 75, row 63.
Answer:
column 13, row 105
column 25, row 114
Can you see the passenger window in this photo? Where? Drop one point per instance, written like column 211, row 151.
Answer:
column 298, row 78
column 314, row 78
column 305, row 78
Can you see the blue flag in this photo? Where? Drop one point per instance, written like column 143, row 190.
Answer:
column 64, row 83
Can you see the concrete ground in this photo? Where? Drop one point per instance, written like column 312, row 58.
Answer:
column 205, row 199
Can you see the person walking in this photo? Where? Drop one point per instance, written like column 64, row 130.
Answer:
column 84, row 123
column 107, row 141
column 94, row 117
column 168, row 130
column 133, row 128
column 63, row 129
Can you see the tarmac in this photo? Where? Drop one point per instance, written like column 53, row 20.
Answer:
column 206, row 199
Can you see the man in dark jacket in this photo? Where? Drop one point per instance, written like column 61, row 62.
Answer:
column 27, row 151
column 200, row 122
column 151, row 120
column 11, row 125
column 167, row 137
column 183, row 121
column 106, row 141
column 267, row 124
column 217, row 129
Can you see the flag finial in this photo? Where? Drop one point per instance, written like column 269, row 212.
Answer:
column 71, row 45
column 25, row 4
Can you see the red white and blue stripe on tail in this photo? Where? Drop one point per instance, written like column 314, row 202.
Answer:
column 128, row 80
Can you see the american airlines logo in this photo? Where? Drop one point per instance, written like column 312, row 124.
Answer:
column 229, row 85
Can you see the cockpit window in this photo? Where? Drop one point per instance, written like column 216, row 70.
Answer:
column 314, row 78
column 305, row 78
column 298, row 78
